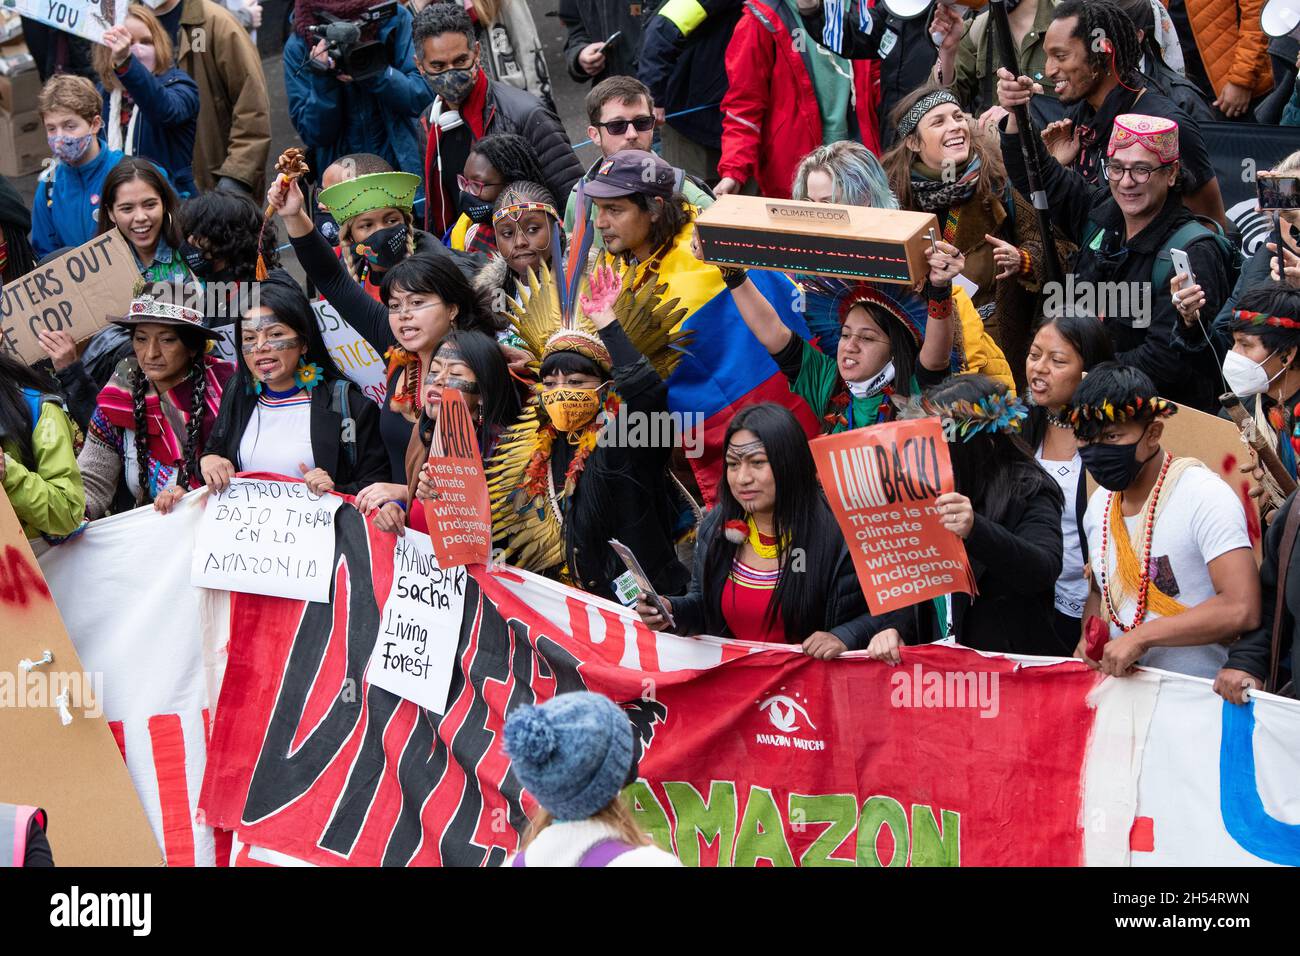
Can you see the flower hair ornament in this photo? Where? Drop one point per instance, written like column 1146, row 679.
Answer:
column 963, row 420
column 1088, row 420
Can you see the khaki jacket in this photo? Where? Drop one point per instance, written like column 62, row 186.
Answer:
column 234, row 129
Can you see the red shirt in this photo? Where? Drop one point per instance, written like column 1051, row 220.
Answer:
column 745, row 597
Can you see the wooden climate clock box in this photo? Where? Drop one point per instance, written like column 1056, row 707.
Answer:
column 859, row 242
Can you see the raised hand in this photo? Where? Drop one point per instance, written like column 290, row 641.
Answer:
column 603, row 288
column 1005, row 256
column 118, row 40
column 1063, row 141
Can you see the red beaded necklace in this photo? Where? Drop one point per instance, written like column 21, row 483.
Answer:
column 1148, row 528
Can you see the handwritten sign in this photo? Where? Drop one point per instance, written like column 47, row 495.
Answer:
column 78, row 292
column 460, row 518
column 882, row 483
column 267, row 537
column 355, row 357
column 419, row 626
column 83, row 18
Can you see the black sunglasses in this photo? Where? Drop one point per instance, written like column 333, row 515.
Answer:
column 642, row 124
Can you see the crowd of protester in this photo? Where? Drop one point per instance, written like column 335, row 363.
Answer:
column 444, row 195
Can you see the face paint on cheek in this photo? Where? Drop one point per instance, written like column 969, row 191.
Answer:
column 462, row 385
column 282, row 346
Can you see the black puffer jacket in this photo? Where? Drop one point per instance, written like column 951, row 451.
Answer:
column 594, row 21
column 510, row 110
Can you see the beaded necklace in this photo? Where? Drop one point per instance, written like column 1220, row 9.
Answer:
column 1148, row 529
column 764, row 546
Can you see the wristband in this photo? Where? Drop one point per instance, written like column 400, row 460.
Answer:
column 734, row 278
column 934, row 292
column 394, row 501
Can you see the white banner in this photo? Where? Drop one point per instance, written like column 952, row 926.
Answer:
column 84, row 18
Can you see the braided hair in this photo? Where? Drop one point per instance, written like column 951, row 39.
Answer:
column 360, row 270
column 190, row 451
column 1108, row 35
column 512, row 156
column 139, row 392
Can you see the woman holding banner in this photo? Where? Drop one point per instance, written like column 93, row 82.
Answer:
column 1064, row 349
column 472, row 364
column 1007, row 511
column 771, row 563
column 289, row 410
column 168, row 392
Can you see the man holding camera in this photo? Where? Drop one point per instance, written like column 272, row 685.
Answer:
column 469, row 105
column 352, row 83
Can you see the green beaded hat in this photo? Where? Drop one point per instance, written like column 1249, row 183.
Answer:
column 352, row 197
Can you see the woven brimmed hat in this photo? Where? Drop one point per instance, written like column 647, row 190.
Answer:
column 147, row 309
column 349, row 199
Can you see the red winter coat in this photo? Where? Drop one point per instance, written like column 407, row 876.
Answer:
column 770, row 119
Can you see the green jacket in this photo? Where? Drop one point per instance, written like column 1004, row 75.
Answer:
column 49, row 500
column 973, row 52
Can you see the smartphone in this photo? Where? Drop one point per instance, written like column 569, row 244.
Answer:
column 1182, row 264
column 642, row 579
column 1277, row 192
column 610, row 41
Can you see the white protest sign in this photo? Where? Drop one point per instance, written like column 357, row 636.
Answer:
column 83, row 18
column 267, row 537
column 355, row 357
column 419, row 626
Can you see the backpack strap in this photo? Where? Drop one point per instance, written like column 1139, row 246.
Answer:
column 605, row 852
column 1289, row 532
column 33, row 399
column 1162, row 268
column 340, row 403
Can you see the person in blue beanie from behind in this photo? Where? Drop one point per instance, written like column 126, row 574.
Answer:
column 574, row 755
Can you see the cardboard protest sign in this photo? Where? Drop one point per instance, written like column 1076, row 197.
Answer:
column 74, row 771
column 419, row 626
column 84, row 18
column 77, row 293
column 883, row 245
column 267, row 537
column 460, row 518
column 882, row 483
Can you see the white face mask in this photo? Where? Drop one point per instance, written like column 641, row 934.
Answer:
column 1246, row 377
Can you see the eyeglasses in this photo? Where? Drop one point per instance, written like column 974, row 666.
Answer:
column 395, row 309
column 642, row 124
column 1114, row 172
column 473, row 186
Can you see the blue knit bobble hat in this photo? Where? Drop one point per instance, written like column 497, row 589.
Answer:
column 572, row 753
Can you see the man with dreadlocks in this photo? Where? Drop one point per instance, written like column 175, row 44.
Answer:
column 155, row 414
column 1173, row 573
column 1094, row 65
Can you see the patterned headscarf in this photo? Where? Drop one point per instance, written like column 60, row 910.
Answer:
column 907, row 125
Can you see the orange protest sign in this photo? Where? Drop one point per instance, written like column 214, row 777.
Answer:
column 460, row 518
column 882, row 483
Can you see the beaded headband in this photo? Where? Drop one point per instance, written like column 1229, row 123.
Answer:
column 907, row 125
column 1090, row 418
column 516, row 210
column 1246, row 317
column 584, row 343
column 866, row 293
column 963, row 420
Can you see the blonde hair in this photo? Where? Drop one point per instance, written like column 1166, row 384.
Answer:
column 162, row 45
column 66, row 93
column 615, row 815
column 345, row 241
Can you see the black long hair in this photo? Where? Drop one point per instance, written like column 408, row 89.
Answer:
column 229, row 225
column 1090, row 341
column 498, row 397
column 798, row 517
column 1105, row 20
column 903, row 350
column 191, row 447
column 440, row 276
column 512, row 156
column 992, row 469
column 15, row 412
column 129, row 169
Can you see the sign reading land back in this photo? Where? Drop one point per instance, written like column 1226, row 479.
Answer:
column 884, row 245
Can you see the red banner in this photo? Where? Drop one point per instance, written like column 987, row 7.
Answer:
column 882, row 483
column 749, row 754
column 460, row 518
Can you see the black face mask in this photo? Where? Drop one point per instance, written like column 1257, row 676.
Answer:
column 383, row 248
column 476, row 209
column 1113, row 466
column 197, row 263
